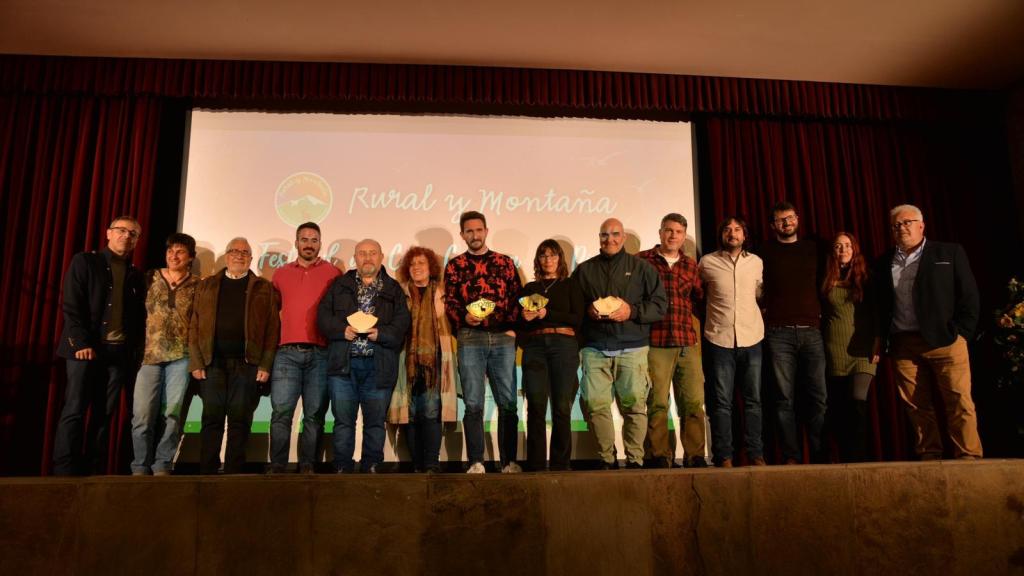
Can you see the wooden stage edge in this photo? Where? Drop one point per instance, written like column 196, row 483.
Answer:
column 947, row 517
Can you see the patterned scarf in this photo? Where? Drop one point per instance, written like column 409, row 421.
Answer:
column 421, row 358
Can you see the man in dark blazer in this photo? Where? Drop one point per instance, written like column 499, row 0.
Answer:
column 928, row 307
column 104, row 323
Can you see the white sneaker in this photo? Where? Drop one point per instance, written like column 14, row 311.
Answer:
column 476, row 468
column 511, row 468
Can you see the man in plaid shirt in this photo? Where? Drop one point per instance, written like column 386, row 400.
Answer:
column 674, row 356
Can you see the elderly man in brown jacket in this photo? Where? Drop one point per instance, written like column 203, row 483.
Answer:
column 232, row 339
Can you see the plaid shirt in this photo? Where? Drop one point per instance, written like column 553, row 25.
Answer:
column 683, row 288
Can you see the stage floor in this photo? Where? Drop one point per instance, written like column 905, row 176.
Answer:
column 946, row 517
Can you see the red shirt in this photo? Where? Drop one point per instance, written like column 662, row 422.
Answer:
column 684, row 289
column 301, row 289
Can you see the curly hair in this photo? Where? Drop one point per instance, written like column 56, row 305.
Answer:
column 433, row 261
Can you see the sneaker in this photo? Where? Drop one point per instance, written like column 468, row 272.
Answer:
column 476, row 468
column 139, row 473
column 162, row 473
column 511, row 468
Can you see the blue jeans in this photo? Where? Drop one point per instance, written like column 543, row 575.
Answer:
column 424, row 428
column 723, row 369
column 492, row 355
column 157, row 421
column 358, row 389
column 297, row 372
column 798, row 354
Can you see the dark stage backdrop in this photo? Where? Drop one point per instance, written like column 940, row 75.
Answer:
column 85, row 139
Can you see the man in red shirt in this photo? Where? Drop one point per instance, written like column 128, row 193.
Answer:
column 300, row 367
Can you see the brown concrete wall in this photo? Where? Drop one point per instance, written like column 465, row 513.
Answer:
column 927, row 518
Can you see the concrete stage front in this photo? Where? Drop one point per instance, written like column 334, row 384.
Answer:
column 903, row 518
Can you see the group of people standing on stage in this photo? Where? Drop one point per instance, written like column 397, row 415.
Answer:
column 399, row 349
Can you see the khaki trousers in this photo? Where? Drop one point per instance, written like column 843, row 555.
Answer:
column 624, row 380
column 921, row 370
column 679, row 371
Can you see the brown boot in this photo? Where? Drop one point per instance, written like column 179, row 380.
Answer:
column 725, row 463
column 759, row 461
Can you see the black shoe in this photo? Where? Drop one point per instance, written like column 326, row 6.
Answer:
column 659, row 462
column 695, row 462
column 306, row 469
column 608, row 466
column 633, row 465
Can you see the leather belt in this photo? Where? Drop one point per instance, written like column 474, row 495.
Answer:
column 301, row 346
column 560, row 330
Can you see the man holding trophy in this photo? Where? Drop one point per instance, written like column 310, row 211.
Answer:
column 480, row 300
column 624, row 296
column 364, row 317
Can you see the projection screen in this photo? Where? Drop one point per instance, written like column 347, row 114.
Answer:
column 404, row 179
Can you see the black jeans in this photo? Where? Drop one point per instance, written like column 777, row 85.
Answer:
column 228, row 391
column 92, row 384
column 550, row 369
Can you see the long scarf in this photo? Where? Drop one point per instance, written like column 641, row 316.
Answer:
column 421, row 358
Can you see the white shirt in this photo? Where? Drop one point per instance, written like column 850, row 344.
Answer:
column 732, row 287
column 904, row 273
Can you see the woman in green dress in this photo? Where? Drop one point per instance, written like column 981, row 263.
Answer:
column 851, row 344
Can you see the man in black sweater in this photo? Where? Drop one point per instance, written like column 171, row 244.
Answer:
column 104, row 323
column 927, row 308
column 792, row 315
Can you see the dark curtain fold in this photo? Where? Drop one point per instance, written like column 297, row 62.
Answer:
column 68, row 165
column 844, row 176
column 583, row 91
column 80, row 143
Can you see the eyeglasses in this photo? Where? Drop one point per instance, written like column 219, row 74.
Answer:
column 239, row 253
column 903, row 224
column 548, row 257
column 786, row 220
column 130, row 232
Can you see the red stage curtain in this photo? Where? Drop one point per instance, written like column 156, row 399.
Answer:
column 79, row 145
column 467, row 87
column 68, row 165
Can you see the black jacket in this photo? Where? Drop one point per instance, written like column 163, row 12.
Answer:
column 87, row 285
column 393, row 321
column 632, row 279
column 945, row 294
